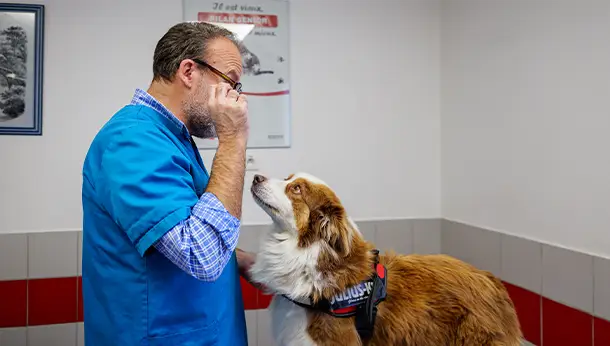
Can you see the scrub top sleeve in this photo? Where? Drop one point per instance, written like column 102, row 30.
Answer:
column 145, row 184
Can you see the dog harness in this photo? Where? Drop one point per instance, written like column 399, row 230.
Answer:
column 360, row 300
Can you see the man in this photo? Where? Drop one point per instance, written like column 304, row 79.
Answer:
column 160, row 265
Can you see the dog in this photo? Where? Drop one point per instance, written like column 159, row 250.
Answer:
column 314, row 256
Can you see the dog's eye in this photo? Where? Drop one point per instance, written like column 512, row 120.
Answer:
column 296, row 189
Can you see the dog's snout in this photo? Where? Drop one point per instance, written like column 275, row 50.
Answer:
column 259, row 179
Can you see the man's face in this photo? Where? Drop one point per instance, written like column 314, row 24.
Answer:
column 225, row 57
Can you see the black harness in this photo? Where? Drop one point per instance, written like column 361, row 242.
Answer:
column 360, row 300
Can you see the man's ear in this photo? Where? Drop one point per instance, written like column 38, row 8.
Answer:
column 185, row 72
column 332, row 224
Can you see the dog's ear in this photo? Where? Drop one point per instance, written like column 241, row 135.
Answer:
column 331, row 223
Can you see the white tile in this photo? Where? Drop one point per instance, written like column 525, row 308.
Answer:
column 394, row 235
column 601, row 272
column 252, row 327
column 52, row 254
column 427, row 236
column 367, row 228
column 79, row 248
column 13, row 336
column 80, row 334
column 476, row 246
column 522, row 263
column 250, row 237
column 52, row 335
column 567, row 277
column 263, row 321
column 13, row 256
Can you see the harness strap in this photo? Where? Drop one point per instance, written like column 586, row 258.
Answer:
column 307, row 304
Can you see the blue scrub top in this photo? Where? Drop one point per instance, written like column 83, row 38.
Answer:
column 142, row 175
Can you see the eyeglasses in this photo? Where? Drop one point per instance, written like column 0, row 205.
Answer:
column 235, row 85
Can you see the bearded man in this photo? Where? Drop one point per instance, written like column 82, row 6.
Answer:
column 160, row 264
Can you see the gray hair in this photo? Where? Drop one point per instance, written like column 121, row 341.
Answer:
column 186, row 40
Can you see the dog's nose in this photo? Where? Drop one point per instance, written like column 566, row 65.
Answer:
column 259, row 179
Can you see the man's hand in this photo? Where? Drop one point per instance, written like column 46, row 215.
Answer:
column 245, row 260
column 229, row 111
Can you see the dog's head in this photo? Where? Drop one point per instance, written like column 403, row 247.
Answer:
column 307, row 206
column 315, row 250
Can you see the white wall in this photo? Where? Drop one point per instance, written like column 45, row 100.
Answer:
column 365, row 105
column 524, row 90
column 526, row 119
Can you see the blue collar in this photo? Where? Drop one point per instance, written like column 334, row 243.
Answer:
column 142, row 98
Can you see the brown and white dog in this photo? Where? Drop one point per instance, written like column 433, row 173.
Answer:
column 315, row 251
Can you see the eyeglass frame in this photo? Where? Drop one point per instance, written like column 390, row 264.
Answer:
column 235, row 85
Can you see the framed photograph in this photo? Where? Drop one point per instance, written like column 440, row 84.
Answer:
column 21, row 63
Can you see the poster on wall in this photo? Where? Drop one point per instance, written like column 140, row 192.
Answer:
column 21, row 55
column 262, row 27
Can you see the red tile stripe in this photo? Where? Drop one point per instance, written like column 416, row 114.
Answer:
column 601, row 334
column 13, row 303
column 562, row 325
column 547, row 322
column 79, row 301
column 38, row 302
column 59, row 300
column 528, row 306
column 52, row 301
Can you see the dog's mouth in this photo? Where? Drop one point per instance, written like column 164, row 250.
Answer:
column 261, row 202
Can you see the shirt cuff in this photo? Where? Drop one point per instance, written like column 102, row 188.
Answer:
column 160, row 229
column 209, row 201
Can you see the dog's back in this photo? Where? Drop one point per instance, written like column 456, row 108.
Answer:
column 439, row 300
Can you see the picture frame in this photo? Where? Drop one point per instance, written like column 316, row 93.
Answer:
column 21, row 68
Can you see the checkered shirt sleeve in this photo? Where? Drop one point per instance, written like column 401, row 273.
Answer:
column 202, row 245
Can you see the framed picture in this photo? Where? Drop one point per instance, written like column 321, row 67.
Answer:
column 21, row 63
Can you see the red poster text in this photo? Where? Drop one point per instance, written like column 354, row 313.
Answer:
column 264, row 20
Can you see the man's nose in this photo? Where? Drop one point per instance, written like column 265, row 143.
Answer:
column 259, row 179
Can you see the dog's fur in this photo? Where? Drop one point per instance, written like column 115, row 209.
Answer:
column 315, row 250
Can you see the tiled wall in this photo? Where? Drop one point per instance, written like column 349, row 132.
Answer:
column 39, row 288
column 41, row 305
column 562, row 297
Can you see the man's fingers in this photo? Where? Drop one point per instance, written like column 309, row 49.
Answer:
column 232, row 95
column 221, row 92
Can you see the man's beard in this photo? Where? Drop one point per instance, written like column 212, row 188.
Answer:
column 200, row 124
column 198, row 118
